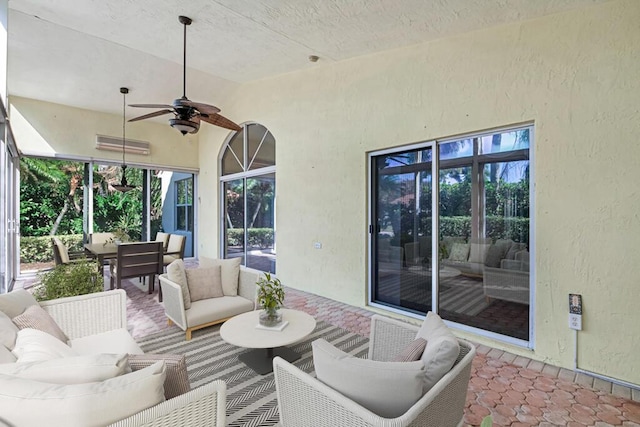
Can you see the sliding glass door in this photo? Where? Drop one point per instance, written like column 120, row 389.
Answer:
column 481, row 250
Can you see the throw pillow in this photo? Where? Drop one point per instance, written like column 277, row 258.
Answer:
column 459, row 252
column 33, row 403
column 35, row 317
column 388, row 389
column 230, row 272
column 8, row 331
column 514, row 249
column 70, row 370
column 16, row 302
column 177, row 380
column 204, row 283
column 33, row 345
column 412, row 352
column 441, row 351
column 478, row 252
column 176, row 273
column 495, row 253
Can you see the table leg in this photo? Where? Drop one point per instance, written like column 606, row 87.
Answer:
column 261, row 359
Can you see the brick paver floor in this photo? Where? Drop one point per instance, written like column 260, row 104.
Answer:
column 514, row 390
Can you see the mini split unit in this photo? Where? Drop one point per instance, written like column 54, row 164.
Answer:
column 111, row 143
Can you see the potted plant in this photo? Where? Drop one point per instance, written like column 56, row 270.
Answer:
column 66, row 280
column 270, row 298
column 119, row 236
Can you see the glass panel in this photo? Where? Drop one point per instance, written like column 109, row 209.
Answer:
column 181, row 218
column 181, row 187
column 261, row 222
column 456, row 149
column 507, row 141
column 113, row 210
column 402, row 272
column 262, row 147
column 51, row 204
column 233, row 157
column 484, row 239
column 234, row 218
column 156, row 202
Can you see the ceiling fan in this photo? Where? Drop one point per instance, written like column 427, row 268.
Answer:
column 188, row 114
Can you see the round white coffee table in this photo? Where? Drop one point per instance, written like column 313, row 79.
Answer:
column 242, row 331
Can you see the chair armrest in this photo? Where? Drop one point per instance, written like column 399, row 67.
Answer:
column 247, row 287
column 203, row 406
column 89, row 314
column 173, row 301
column 389, row 336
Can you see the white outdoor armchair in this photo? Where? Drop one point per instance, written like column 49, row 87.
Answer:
column 304, row 401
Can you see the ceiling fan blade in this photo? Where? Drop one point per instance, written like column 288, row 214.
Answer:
column 202, row 108
column 148, row 116
column 151, row 105
column 218, row 120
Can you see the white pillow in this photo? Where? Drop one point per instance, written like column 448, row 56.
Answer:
column 8, row 331
column 33, row 345
column 441, row 351
column 229, row 271
column 6, row 356
column 176, row 273
column 33, row 403
column 70, row 370
column 387, row 389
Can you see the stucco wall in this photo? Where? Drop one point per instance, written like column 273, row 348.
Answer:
column 574, row 74
column 45, row 129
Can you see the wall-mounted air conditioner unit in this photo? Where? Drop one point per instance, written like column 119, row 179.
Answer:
column 111, row 143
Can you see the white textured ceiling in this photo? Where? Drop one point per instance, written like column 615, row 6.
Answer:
column 80, row 52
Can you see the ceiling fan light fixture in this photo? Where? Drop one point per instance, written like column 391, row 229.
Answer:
column 123, row 187
column 184, row 126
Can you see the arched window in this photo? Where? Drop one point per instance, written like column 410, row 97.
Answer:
column 248, row 188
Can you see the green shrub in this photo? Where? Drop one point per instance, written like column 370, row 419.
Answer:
column 39, row 249
column 67, row 280
column 258, row 237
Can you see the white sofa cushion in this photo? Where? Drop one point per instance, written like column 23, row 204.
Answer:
column 6, row 356
column 14, row 303
column 8, row 331
column 114, row 341
column 70, row 370
column 204, row 283
column 33, row 345
column 33, row 403
column 459, row 252
column 441, row 351
column 36, row 317
column 229, row 270
column 478, row 252
column 388, row 389
column 176, row 273
column 209, row 310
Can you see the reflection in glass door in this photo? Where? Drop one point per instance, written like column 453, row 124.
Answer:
column 402, row 244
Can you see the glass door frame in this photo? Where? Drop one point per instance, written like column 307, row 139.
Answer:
column 372, row 232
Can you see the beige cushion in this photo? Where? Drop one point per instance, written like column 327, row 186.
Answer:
column 33, row 345
column 176, row 273
column 6, row 356
column 62, row 249
column 388, row 389
column 33, row 403
column 441, row 351
column 210, row 310
column 412, row 352
column 478, row 252
column 16, row 302
column 8, row 331
column 114, row 341
column 230, row 272
column 35, row 317
column 177, row 380
column 70, row 370
column 204, row 283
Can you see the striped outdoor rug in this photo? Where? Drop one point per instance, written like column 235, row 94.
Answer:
column 251, row 398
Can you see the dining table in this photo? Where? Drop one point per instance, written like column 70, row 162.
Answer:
column 101, row 251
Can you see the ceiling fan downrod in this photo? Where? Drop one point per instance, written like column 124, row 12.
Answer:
column 184, row 21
